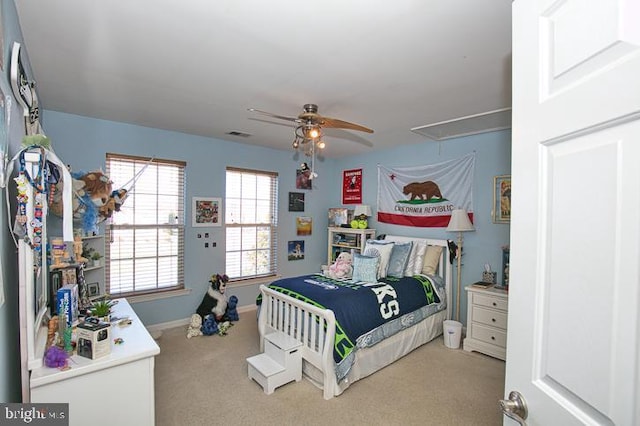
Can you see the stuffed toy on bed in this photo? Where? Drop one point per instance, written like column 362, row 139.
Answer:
column 342, row 267
column 214, row 301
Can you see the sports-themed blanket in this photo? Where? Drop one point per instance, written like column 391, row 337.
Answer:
column 366, row 312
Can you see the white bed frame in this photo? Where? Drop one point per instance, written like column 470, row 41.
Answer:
column 314, row 328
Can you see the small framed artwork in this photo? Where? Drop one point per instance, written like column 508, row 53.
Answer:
column 502, row 199
column 295, row 250
column 304, row 225
column 303, row 177
column 93, row 290
column 296, row 201
column 206, row 211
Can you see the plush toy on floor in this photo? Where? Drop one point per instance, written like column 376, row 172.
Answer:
column 195, row 326
column 214, row 301
column 210, row 325
column 232, row 311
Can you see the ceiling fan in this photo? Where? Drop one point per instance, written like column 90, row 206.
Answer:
column 310, row 123
column 308, row 132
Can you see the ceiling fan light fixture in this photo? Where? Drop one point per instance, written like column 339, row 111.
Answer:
column 321, row 144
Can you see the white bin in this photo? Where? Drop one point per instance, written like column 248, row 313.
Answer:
column 452, row 334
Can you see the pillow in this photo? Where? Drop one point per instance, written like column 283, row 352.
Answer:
column 431, row 260
column 399, row 258
column 416, row 259
column 365, row 268
column 381, row 249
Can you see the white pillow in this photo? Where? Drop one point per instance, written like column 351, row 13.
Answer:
column 381, row 249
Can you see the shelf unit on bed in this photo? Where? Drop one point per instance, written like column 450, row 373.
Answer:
column 346, row 239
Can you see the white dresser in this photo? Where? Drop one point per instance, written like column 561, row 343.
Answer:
column 487, row 311
column 115, row 389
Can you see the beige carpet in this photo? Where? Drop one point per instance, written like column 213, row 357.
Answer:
column 203, row 381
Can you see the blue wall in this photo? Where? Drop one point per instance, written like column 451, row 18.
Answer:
column 82, row 142
column 493, row 157
column 10, row 389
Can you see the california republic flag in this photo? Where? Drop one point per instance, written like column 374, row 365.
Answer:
column 425, row 196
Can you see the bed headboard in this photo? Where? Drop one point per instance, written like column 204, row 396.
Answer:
column 445, row 268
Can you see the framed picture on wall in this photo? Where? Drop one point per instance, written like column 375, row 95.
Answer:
column 502, row 199
column 296, row 201
column 206, row 211
column 295, row 250
column 304, row 225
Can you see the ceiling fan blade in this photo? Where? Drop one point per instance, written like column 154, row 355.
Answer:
column 281, row 117
column 341, row 124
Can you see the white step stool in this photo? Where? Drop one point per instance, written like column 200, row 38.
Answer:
column 280, row 363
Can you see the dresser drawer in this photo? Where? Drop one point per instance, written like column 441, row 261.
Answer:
column 489, row 335
column 490, row 302
column 490, row 317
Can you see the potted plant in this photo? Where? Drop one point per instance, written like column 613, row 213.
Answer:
column 95, row 257
column 102, row 310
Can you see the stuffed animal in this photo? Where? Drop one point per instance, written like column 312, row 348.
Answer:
column 91, row 191
column 232, row 311
column 209, row 326
column 214, row 301
column 342, row 267
column 195, row 326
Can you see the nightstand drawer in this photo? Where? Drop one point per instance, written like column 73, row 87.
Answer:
column 490, row 302
column 489, row 335
column 490, row 317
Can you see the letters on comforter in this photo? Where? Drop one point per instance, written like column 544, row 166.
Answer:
column 366, row 312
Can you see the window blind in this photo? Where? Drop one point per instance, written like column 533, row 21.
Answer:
column 145, row 239
column 251, row 223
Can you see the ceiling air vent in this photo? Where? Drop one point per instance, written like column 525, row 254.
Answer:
column 490, row 121
column 239, row 134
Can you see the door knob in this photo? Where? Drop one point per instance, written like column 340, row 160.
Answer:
column 515, row 407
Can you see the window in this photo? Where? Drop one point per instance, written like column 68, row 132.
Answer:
column 251, row 219
column 145, row 249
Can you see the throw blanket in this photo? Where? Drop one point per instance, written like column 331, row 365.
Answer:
column 366, row 312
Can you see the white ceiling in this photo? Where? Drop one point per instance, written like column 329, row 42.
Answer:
column 196, row 66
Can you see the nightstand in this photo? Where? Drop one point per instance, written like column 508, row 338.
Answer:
column 487, row 311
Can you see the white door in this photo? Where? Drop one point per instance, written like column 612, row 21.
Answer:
column 574, row 298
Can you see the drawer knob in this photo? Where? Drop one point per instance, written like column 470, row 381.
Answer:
column 493, row 320
column 493, row 338
column 494, row 304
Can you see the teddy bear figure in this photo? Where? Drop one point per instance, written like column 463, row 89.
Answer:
column 194, row 329
column 342, row 267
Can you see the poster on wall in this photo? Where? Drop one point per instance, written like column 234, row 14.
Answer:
column 304, row 225
column 352, row 186
column 295, row 250
column 425, row 196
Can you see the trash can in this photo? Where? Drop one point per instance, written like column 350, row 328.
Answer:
column 452, row 334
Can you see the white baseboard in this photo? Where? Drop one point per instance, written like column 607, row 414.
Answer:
column 156, row 329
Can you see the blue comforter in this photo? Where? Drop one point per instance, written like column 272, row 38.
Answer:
column 366, row 312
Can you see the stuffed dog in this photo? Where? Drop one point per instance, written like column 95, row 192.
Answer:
column 214, row 301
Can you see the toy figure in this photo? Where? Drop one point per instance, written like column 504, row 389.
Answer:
column 214, row 301
column 342, row 267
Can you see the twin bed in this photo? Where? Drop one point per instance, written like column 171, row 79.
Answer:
column 349, row 329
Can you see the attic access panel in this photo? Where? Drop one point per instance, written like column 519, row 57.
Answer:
column 490, row 121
